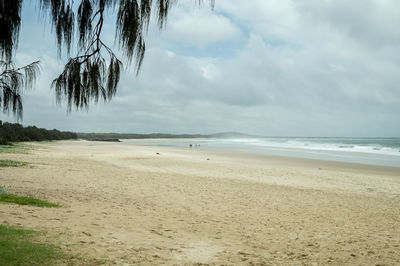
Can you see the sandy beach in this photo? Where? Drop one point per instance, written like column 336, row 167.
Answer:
column 147, row 205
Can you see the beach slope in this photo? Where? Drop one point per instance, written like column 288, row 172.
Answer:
column 132, row 204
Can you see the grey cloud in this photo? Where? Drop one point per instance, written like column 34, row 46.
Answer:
column 328, row 76
column 373, row 23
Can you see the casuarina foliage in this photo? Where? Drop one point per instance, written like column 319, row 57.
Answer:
column 94, row 71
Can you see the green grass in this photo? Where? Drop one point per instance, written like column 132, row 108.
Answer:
column 11, row 163
column 6, row 197
column 15, row 148
column 6, row 148
column 3, row 190
column 23, row 200
column 18, row 247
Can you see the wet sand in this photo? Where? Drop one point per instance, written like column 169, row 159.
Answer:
column 126, row 204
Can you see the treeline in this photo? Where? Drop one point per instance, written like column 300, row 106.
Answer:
column 10, row 132
column 116, row 136
column 113, row 136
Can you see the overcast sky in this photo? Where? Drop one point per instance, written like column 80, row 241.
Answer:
column 274, row 68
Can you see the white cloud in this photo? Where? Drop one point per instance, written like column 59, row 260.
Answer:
column 200, row 27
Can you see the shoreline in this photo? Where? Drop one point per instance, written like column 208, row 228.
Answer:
column 128, row 204
column 372, row 168
column 336, row 155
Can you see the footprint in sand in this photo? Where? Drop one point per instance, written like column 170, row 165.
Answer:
column 199, row 252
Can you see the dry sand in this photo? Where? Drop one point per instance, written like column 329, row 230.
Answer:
column 126, row 204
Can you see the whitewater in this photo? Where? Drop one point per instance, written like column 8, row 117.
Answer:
column 374, row 151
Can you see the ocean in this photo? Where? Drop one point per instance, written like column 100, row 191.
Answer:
column 374, row 151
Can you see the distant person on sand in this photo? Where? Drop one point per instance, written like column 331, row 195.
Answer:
column 190, row 145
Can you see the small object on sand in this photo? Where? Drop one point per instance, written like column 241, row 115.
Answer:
column 158, row 153
column 208, row 159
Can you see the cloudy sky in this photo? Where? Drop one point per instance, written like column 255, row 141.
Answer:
column 276, row 67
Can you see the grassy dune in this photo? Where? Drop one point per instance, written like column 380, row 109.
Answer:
column 18, row 247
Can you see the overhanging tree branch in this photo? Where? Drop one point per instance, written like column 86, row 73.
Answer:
column 94, row 72
column 12, row 83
